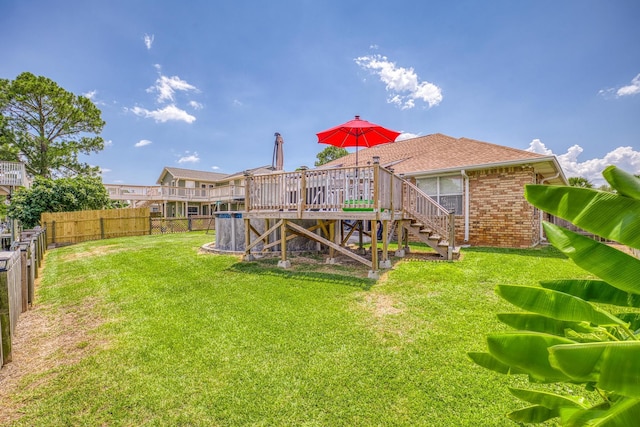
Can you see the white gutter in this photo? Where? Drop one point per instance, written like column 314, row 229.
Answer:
column 466, row 204
column 551, row 159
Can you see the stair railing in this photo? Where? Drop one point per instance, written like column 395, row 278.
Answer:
column 418, row 205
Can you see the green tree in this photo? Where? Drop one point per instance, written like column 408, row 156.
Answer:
column 46, row 127
column 330, row 153
column 59, row 195
column 565, row 332
column 578, row 181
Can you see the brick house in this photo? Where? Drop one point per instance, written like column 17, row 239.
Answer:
column 482, row 182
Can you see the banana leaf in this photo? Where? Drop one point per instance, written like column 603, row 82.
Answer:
column 594, row 291
column 528, row 351
column 611, row 265
column 613, row 365
column 487, row 361
column 633, row 319
column 624, row 413
column 607, row 215
column 556, row 305
column 625, row 183
column 546, row 399
column 533, row 414
column 537, row 323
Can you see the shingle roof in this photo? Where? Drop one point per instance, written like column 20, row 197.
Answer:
column 205, row 176
column 438, row 152
column 195, row 175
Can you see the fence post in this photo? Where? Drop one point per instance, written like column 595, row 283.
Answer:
column 53, row 232
column 101, row 228
column 189, row 225
column 7, row 316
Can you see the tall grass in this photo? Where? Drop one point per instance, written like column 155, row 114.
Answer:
column 198, row 339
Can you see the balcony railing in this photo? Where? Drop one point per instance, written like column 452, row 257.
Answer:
column 14, row 174
column 165, row 193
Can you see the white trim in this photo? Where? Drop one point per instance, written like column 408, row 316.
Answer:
column 466, row 204
column 521, row 162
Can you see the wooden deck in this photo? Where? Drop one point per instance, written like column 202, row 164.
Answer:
column 364, row 197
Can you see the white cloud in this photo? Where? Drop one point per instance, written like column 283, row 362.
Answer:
column 142, row 143
column 632, row 89
column 403, row 84
column 104, row 170
column 167, row 87
column 91, row 94
column 108, row 143
column 170, row 112
column 148, row 40
column 237, row 103
column 628, row 90
column 215, row 168
column 623, row 157
column 189, row 158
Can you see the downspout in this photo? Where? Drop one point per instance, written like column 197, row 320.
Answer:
column 466, row 204
column 542, row 236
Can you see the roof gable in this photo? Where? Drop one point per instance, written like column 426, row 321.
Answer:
column 190, row 174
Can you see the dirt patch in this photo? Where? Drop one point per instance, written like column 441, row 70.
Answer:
column 44, row 340
column 381, row 305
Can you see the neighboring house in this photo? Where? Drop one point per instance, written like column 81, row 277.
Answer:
column 187, row 192
column 202, row 192
column 189, row 184
column 482, row 182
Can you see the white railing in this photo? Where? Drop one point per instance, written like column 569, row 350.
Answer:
column 165, row 193
column 13, row 173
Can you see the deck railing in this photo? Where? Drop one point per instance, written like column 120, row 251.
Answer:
column 424, row 209
column 323, row 189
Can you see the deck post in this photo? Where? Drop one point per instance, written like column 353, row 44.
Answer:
column 373, row 273
column 247, row 222
column 284, row 262
column 400, row 227
column 332, row 237
column 386, row 262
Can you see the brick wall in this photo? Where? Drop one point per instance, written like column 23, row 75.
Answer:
column 499, row 215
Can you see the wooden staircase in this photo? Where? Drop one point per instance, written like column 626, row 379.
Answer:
column 429, row 222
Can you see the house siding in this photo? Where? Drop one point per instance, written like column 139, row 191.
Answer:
column 499, row 215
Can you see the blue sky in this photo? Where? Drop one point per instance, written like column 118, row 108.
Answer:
column 205, row 84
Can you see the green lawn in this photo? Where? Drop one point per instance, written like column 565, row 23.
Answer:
column 181, row 338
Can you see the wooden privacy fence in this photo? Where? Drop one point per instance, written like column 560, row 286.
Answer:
column 75, row 227
column 18, row 270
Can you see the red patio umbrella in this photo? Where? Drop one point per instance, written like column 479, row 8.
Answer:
column 357, row 133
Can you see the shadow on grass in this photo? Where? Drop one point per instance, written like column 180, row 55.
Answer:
column 538, row 252
column 304, row 270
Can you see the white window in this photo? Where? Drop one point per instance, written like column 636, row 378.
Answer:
column 446, row 190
